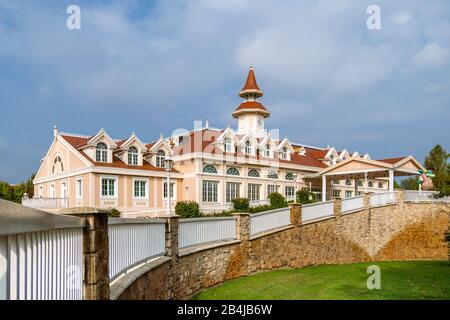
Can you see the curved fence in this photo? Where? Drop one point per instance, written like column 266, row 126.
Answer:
column 202, row 230
column 352, row 204
column 317, row 211
column 383, row 198
column 132, row 242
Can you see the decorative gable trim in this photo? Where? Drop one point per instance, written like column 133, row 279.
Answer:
column 101, row 134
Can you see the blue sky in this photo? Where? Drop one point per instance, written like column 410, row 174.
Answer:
column 153, row 67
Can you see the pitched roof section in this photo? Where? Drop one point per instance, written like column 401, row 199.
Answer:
column 392, row 160
column 251, row 86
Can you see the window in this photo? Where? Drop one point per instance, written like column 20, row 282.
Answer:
column 51, row 193
column 348, row 194
column 108, row 187
column 267, row 151
column 41, row 190
column 79, row 188
column 63, row 190
column 289, row 191
column 253, row 192
column 58, row 166
column 172, row 190
column 140, row 189
column 360, row 183
column 101, row 153
column 370, row 184
column 210, row 169
column 210, row 191
column 253, row 173
column 133, row 156
column 233, row 172
column 233, row 191
column 336, row 193
column 289, row 176
column 302, row 151
column 348, row 183
column 160, row 157
column 272, row 175
column 336, row 182
column 228, row 145
column 284, row 154
column 248, row 148
column 380, row 185
column 272, row 189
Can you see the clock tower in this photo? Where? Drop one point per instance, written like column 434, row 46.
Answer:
column 251, row 113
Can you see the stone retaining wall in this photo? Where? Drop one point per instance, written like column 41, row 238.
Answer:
column 402, row 231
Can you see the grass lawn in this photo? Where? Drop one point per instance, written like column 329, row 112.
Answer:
column 399, row 280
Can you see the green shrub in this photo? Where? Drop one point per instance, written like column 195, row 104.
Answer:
column 277, row 200
column 260, row 208
column 305, row 197
column 241, row 204
column 113, row 213
column 188, row 209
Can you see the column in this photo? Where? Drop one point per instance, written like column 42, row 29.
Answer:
column 355, row 181
column 391, row 180
column 324, row 188
column 365, row 182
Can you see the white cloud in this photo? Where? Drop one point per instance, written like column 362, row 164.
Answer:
column 432, row 55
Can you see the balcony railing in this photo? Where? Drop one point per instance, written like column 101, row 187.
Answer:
column 46, row 203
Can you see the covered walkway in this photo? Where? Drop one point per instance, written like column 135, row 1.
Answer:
column 359, row 169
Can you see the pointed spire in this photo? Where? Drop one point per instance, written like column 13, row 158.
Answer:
column 251, row 86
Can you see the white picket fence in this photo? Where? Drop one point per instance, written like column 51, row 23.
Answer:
column 423, row 196
column 41, row 255
column 269, row 220
column 383, row 198
column 352, row 204
column 317, row 211
column 203, row 230
column 133, row 242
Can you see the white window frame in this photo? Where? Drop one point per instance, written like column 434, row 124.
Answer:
column 232, row 193
column 65, row 189
column 116, row 187
column 174, row 193
column 101, row 153
column 348, row 194
column 79, row 188
column 52, row 191
column 286, row 191
column 214, row 195
column 40, row 191
column 336, row 191
column 133, row 157
column 272, row 188
column 228, row 145
column 251, row 192
column 145, row 197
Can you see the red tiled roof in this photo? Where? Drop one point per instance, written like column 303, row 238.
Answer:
column 392, row 160
column 251, row 84
column 251, row 105
column 76, row 142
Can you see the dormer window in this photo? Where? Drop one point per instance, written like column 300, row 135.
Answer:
column 228, row 145
column 133, row 156
column 267, row 151
column 160, row 157
column 248, row 148
column 302, row 151
column 101, row 153
column 284, row 154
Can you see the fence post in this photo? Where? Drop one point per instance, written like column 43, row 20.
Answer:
column 172, row 249
column 243, row 226
column 296, row 214
column 366, row 201
column 95, row 252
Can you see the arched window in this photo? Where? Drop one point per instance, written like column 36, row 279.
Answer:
column 348, row 183
column 101, row 153
column 248, row 148
column 160, row 157
column 233, row 172
column 253, row 173
column 210, row 169
column 58, row 166
column 360, row 183
column 228, row 145
column 133, row 156
column 272, row 175
column 380, row 185
column 289, row 176
column 370, row 184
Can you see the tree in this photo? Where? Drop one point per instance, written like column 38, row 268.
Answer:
column 15, row 192
column 409, row 184
column 437, row 160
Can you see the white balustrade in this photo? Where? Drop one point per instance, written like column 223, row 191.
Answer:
column 352, row 204
column 423, row 196
column 203, row 230
column 44, row 265
column 152, row 214
column 269, row 220
column 46, row 203
column 382, row 198
column 317, row 211
column 133, row 242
